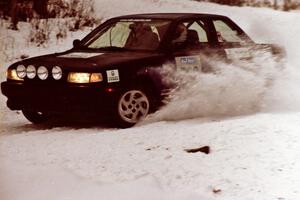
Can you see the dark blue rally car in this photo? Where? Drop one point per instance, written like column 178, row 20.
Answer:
column 112, row 72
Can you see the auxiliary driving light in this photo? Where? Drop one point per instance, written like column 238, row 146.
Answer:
column 31, row 72
column 21, row 71
column 56, row 72
column 42, row 73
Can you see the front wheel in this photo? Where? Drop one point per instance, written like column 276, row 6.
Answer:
column 133, row 106
column 35, row 117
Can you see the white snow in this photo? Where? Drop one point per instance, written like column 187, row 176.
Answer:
column 252, row 130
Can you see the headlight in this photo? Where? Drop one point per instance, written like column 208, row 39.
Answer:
column 42, row 73
column 31, row 72
column 56, row 72
column 12, row 74
column 79, row 77
column 21, row 71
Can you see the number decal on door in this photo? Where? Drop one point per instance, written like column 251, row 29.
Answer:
column 188, row 63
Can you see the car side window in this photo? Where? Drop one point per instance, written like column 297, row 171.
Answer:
column 198, row 26
column 225, row 33
column 190, row 35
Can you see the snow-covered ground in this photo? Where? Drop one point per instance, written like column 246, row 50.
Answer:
column 254, row 139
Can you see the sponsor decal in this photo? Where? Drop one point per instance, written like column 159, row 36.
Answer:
column 80, row 55
column 112, row 76
column 188, row 63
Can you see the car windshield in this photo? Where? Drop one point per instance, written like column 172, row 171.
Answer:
column 130, row 34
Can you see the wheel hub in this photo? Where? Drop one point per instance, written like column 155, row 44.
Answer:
column 133, row 106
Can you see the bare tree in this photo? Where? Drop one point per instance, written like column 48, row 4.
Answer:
column 14, row 14
column 275, row 4
column 287, row 5
column 40, row 6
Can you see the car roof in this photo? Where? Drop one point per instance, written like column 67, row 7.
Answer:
column 172, row 16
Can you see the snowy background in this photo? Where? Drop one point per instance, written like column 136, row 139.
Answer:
column 253, row 130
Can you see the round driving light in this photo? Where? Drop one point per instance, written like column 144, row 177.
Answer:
column 42, row 73
column 31, row 72
column 56, row 72
column 21, row 71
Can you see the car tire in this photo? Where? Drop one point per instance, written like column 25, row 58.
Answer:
column 35, row 117
column 133, row 105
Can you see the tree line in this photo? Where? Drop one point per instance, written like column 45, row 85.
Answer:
column 26, row 10
column 285, row 5
column 22, row 10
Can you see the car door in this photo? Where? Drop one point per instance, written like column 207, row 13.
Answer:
column 193, row 51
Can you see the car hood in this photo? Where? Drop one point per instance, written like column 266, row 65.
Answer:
column 87, row 60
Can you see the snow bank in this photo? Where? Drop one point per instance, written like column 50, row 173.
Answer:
column 252, row 157
column 63, row 184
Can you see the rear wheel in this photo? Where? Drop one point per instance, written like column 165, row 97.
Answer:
column 35, row 117
column 133, row 106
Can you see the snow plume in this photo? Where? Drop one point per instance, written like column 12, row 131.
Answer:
column 285, row 94
column 228, row 90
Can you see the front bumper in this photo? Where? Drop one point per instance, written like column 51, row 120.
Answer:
column 58, row 98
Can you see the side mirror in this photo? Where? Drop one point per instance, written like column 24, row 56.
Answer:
column 76, row 43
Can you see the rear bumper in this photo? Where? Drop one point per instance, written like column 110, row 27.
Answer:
column 58, row 98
